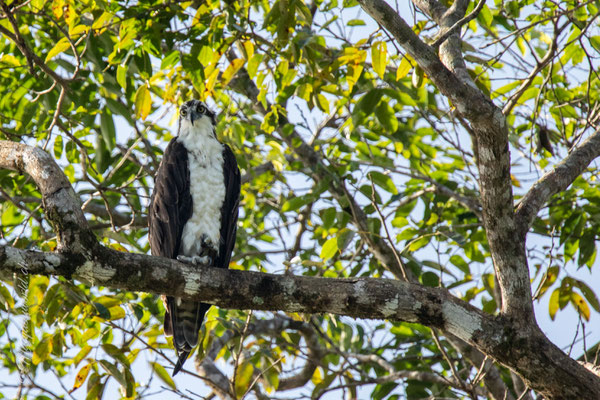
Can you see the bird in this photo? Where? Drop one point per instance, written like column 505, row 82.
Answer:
column 193, row 213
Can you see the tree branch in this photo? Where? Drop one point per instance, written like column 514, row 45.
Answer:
column 491, row 138
column 357, row 298
column 557, row 180
column 58, row 198
column 30, row 56
column 457, row 25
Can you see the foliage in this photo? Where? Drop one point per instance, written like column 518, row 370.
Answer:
column 97, row 83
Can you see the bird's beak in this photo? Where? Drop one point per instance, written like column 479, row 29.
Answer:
column 194, row 116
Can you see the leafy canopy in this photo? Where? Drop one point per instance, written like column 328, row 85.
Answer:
column 97, row 83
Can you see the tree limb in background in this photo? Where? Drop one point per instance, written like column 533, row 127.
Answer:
column 557, row 180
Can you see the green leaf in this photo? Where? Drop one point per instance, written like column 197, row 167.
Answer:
column 417, row 76
column 387, row 117
column 58, row 146
column 486, row 16
column 595, row 42
column 383, row 181
column 170, row 60
column 296, row 203
column 344, row 237
column 102, row 311
column 107, row 127
column 459, row 262
column 328, row 217
column 369, row 101
column 143, row 102
column 163, row 375
column 113, row 371
column 379, row 58
column 356, row 22
column 430, row 279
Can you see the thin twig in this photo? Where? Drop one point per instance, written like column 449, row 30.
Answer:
column 387, row 233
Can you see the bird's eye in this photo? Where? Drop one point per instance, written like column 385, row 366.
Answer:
column 183, row 112
column 201, row 109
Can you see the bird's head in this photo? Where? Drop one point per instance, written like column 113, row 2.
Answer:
column 194, row 114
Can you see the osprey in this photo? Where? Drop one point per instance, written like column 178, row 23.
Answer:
column 193, row 213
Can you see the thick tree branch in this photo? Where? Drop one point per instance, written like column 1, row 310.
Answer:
column 58, row 198
column 533, row 355
column 454, row 29
column 491, row 138
column 557, row 180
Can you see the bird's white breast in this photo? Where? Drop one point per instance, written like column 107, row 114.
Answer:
column 205, row 163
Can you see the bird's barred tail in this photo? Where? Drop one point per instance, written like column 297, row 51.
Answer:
column 183, row 321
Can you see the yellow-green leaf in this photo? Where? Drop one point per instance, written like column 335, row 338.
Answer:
column 81, row 377
column 6, row 298
column 122, row 76
column 553, row 304
column 37, row 5
column 322, row 103
column 42, row 351
column 143, row 102
column 403, row 69
column 85, row 350
column 580, row 305
column 329, row 248
column 253, row 64
column 108, row 301
column 58, row 48
column 9, row 59
column 248, row 49
column 57, row 8
column 103, row 20
column 163, row 375
column 231, row 70
column 379, row 57
column 243, row 378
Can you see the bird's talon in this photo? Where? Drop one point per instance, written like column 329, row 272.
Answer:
column 195, row 260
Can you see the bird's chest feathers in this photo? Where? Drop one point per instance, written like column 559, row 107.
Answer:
column 207, row 188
